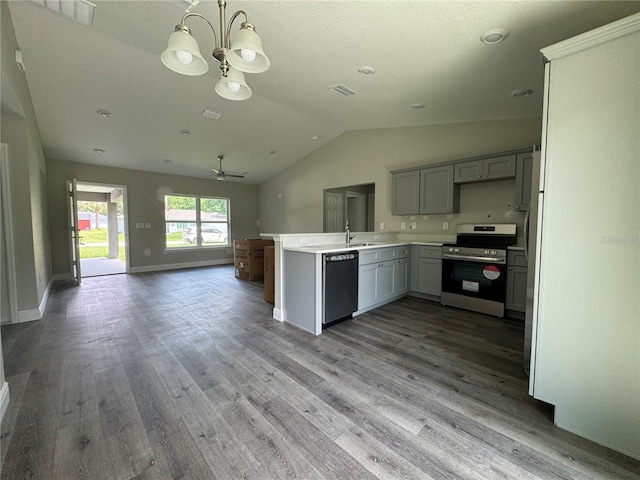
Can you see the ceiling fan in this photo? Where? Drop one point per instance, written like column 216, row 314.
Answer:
column 221, row 174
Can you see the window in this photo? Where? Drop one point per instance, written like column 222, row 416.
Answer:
column 194, row 222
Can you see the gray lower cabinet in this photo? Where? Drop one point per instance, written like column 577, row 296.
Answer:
column 516, row 281
column 383, row 276
column 427, row 274
column 486, row 169
column 405, row 193
column 524, row 170
column 438, row 193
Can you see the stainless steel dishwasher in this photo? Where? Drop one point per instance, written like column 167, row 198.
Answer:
column 339, row 285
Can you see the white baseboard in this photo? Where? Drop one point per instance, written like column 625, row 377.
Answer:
column 4, row 399
column 177, row 266
column 58, row 277
column 36, row 313
column 278, row 314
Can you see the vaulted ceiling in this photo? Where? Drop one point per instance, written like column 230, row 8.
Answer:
column 423, row 52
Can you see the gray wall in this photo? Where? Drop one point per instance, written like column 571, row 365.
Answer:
column 145, row 198
column 291, row 202
column 27, row 174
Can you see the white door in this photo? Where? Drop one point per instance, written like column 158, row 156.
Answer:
column 74, row 231
column 333, row 212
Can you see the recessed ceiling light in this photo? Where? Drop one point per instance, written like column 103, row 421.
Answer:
column 185, row 132
column 525, row 92
column 273, row 152
column 417, row 106
column 495, row 35
column 314, row 138
column 166, row 161
column 99, row 151
column 366, row 70
column 104, row 113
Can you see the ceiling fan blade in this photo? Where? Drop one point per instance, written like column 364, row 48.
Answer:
column 233, row 175
column 216, row 171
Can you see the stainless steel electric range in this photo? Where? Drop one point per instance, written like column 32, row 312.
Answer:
column 474, row 269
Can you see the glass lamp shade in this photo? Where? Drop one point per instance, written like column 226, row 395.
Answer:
column 183, row 55
column 233, row 86
column 247, row 39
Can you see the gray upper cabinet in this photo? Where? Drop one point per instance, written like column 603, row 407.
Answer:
column 486, row 169
column 524, row 169
column 405, row 192
column 435, row 189
column 438, row 193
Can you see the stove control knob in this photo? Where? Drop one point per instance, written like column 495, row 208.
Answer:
column 486, row 252
column 456, row 250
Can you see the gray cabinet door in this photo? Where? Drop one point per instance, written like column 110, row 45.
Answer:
column 405, row 193
column 468, row 171
column 516, row 289
column 401, row 276
column 499, row 167
column 384, row 280
column 485, row 169
column 524, row 177
column 430, row 276
column 438, row 193
column 367, row 285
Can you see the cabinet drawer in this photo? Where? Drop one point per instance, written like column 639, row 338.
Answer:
column 401, row 252
column 426, row 251
column 376, row 255
column 516, row 258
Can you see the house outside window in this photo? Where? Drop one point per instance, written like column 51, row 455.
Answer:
column 196, row 222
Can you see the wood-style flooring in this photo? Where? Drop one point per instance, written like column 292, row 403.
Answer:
column 185, row 375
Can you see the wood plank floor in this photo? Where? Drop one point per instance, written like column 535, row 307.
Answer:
column 184, row 374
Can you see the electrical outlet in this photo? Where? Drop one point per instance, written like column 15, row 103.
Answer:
column 147, row 252
column 403, row 226
column 414, row 225
column 445, row 225
column 381, row 225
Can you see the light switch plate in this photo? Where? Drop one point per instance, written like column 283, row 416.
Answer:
column 403, row 226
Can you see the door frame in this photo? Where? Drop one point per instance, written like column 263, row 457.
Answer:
column 7, row 233
column 125, row 212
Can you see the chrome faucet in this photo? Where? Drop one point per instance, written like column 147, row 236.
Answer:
column 349, row 236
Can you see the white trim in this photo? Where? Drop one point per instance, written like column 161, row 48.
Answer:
column 592, row 38
column 58, row 277
column 7, row 232
column 36, row 313
column 177, row 266
column 4, row 399
column 279, row 314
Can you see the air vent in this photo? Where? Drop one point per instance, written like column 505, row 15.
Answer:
column 342, row 90
column 212, row 114
column 79, row 10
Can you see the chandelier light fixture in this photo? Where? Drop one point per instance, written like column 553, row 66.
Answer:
column 245, row 55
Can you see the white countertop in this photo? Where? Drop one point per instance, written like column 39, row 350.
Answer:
column 341, row 247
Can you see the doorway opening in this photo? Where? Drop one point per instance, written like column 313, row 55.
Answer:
column 101, row 224
column 353, row 203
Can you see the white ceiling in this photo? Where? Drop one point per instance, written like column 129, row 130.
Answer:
column 425, row 52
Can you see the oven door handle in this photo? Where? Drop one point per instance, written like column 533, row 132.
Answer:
column 473, row 258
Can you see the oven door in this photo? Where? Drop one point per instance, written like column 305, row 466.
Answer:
column 484, row 280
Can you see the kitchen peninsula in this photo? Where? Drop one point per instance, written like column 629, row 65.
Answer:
column 383, row 270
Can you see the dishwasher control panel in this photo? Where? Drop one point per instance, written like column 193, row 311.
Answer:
column 340, row 257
